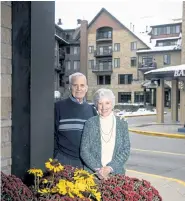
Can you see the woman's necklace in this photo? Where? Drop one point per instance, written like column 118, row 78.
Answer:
column 109, row 133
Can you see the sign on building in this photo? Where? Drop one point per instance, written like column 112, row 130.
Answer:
column 179, row 73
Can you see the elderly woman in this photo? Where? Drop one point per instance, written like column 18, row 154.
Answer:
column 105, row 144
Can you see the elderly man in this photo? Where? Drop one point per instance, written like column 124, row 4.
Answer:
column 70, row 117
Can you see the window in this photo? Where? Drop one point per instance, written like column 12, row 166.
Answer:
column 67, row 50
column 133, row 61
column 155, row 31
column 117, row 47
column 91, row 49
column 139, row 97
column 75, row 50
column 68, row 65
column 124, row 97
column 91, row 64
column 125, row 79
column 104, row 34
column 104, row 65
column 177, row 29
column 133, row 46
column 165, row 30
column 104, row 50
column 147, row 61
column 61, row 82
column 103, row 79
column 76, row 65
column 167, row 43
column 116, row 62
column 67, row 36
column 166, row 59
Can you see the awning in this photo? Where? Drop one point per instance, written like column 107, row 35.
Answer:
column 168, row 73
column 148, row 84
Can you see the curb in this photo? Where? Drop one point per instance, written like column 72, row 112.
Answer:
column 159, row 176
column 149, row 133
column 141, row 115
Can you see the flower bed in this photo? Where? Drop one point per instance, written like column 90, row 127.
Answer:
column 66, row 183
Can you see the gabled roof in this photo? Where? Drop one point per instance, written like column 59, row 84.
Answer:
column 116, row 20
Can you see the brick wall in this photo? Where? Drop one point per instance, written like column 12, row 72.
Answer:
column 183, row 35
column 6, row 82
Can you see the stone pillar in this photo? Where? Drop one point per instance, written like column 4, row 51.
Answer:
column 83, row 47
column 144, row 97
column 174, row 101
column 182, row 105
column 160, row 101
column 152, row 97
column 6, row 84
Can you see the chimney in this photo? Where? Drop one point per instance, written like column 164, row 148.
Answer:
column 83, row 46
column 146, row 29
column 130, row 25
column 59, row 21
column 79, row 21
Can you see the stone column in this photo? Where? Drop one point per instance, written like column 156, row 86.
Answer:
column 83, row 47
column 174, row 101
column 182, row 104
column 6, row 84
column 160, row 101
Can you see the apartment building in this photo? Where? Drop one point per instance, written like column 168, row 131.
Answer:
column 112, row 58
column 165, row 43
column 69, row 51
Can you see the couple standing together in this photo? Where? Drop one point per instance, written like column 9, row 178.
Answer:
column 95, row 142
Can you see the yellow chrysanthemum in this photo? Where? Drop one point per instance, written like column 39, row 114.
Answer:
column 36, row 172
column 97, row 196
column 45, row 181
column 53, row 165
column 69, row 188
column 44, row 191
column 81, row 186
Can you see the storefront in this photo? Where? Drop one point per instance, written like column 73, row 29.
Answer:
column 175, row 74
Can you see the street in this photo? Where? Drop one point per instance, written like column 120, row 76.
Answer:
column 156, row 155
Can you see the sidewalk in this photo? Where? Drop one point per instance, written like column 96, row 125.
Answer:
column 169, row 189
column 161, row 130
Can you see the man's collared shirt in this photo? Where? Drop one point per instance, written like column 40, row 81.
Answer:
column 75, row 100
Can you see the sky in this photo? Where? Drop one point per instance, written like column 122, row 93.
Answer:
column 138, row 12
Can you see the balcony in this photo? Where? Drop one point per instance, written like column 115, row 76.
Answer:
column 104, row 53
column 102, row 68
column 104, row 37
column 61, row 54
column 60, row 69
column 147, row 66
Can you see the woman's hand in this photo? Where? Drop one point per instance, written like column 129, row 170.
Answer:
column 104, row 172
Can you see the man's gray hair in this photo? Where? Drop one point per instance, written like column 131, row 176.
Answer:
column 75, row 75
column 103, row 93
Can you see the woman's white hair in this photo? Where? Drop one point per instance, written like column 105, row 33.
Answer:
column 103, row 93
column 75, row 75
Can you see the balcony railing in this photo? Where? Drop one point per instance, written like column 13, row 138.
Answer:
column 60, row 68
column 61, row 54
column 102, row 68
column 101, row 37
column 104, row 53
column 147, row 66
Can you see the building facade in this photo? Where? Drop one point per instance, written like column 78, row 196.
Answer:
column 112, row 58
column 70, row 55
column 166, row 41
column 118, row 58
